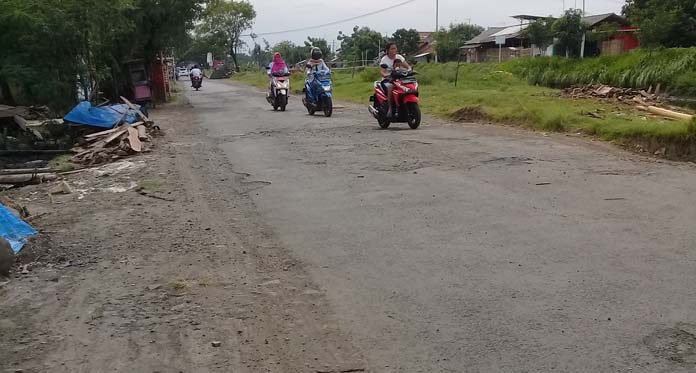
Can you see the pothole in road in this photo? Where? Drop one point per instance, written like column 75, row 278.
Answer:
column 673, row 344
column 510, row 161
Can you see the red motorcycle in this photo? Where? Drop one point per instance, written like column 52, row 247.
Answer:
column 406, row 108
column 196, row 82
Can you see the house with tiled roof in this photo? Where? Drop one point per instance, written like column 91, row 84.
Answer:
column 504, row 43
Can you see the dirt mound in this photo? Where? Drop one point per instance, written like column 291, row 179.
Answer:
column 675, row 149
column 469, row 114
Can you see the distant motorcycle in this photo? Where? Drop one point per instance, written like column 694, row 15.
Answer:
column 406, row 101
column 280, row 89
column 318, row 94
column 196, row 82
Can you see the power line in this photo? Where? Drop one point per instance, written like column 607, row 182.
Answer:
column 335, row 22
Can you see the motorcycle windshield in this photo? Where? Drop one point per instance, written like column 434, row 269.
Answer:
column 323, row 77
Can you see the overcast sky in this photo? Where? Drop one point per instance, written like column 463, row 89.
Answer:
column 279, row 15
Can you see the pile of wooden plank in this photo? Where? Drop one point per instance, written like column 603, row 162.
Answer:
column 122, row 141
column 649, row 101
column 609, row 93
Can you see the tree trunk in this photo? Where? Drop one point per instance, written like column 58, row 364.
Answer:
column 233, row 53
column 6, row 93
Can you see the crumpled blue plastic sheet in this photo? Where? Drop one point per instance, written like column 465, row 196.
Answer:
column 14, row 230
column 101, row 116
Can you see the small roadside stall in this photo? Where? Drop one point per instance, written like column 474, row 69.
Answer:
column 139, row 82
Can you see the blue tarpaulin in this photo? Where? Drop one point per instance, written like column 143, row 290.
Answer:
column 14, row 230
column 103, row 117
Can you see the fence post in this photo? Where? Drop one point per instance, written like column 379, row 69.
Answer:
column 456, row 75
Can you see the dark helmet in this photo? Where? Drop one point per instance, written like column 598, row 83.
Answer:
column 316, row 54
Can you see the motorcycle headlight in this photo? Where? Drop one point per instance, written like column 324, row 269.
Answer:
column 327, row 88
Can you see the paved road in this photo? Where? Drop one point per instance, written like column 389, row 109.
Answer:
column 474, row 248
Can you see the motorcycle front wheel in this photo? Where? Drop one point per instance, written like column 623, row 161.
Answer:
column 414, row 115
column 381, row 118
column 328, row 106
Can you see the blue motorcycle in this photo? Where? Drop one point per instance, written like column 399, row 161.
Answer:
column 318, row 94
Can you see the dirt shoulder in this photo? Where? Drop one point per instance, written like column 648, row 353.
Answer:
column 154, row 280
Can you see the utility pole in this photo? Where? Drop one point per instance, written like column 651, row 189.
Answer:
column 437, row 22
column 584, row 34
column 437, row 15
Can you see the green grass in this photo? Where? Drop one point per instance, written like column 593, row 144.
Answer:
column 62, row 163
column 151, row 185
column 486, row 92
column 178, row 284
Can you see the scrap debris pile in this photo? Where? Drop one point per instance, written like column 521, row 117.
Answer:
column 125, row 138
column 650, row 100
column 94, row 134
column 26, row 128
column 610, row 93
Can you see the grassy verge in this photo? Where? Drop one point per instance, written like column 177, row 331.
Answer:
column 674, row 70
column 484, row 92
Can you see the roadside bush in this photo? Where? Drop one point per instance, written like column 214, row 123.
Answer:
column 369, row 75
column 673, row 69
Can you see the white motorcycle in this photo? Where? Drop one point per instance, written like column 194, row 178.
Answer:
column 280, row 90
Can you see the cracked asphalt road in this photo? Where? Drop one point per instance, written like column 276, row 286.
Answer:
column 473, row 248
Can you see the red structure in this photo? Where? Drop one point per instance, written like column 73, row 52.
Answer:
column 628, row 36
column 160, row 75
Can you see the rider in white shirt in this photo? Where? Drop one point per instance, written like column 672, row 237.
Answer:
column 388, row 61
column 196, row 72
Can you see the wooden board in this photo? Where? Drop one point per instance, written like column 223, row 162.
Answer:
column 669, row 113
column 102, row 133
column 134, row 141
column 27, row 178
column 19, row 171
column 666, row 113
column 22, row 123
column 7, row 111
column 115, row 135
column 140, row 113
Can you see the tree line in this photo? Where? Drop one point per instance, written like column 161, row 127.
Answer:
column 52, row 49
